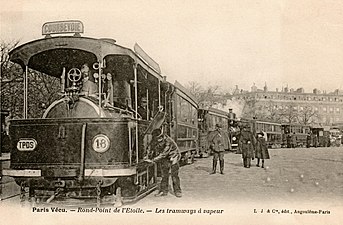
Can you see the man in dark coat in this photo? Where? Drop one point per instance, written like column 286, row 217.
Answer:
column 167, row 153
column 261, row 149
column 308, row 140
column 247, row 146
column 217, row 145
column 294, row 140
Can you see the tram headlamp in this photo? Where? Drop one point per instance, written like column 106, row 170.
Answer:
column 234, row 138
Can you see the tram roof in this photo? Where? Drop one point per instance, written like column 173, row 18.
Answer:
column 215, row 110
column 99, row 47
column 186, row 94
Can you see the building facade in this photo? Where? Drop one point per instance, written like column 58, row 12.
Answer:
column 327, row 107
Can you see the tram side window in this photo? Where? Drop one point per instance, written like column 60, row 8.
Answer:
column 210, row 122
column 182, row 131
column 186, row 113
column 179, row 109
column 193, row 114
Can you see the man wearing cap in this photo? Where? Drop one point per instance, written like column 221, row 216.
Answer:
column 217, row 141
column 167, row 153
column 88, row 86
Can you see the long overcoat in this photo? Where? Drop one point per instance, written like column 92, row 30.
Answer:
column 261, row 149
column 218, row 141
column 246, row 144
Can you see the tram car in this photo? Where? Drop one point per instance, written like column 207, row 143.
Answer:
column 295, row 135
column 90, row 143
column 319, row 137
column 208, row 118
column 182, row 122
column 234, row 134
column 272, row 131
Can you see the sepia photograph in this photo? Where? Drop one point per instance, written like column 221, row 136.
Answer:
column 171, row 112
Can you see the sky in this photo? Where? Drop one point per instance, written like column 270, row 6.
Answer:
column 223, row 42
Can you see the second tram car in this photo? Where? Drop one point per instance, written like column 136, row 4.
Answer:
column 272, row 131
column 295, row 135
column 208, row 118
column 182, row 121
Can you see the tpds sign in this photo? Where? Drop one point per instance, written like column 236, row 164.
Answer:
column 62, row 27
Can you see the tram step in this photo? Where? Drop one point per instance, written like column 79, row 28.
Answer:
column 8, row 188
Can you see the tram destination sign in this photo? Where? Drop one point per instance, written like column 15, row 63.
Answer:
column 62, row 27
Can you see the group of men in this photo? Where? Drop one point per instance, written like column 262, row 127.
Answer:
column 249, row 146
column 164, row 150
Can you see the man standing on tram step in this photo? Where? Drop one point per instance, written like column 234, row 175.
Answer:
column 167, row 153
column 247, row 145
column 217, row 140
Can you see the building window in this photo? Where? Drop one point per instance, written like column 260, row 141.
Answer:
column 337, row 110
column 324, row 109
column 331, row 110
column 316, row 109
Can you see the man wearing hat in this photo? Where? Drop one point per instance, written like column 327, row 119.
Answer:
column 247, row 145
column 217, row 142
column 167, row 153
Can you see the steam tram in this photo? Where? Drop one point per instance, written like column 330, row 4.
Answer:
column 296, row 133
column 91, row 142
column 208, row 118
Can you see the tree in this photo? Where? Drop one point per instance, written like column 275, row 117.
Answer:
column 251, row 108
column 307, row 115
column 11, row 81
column 289, row 113
column 42, row 89
column 206, row 97
column 272, row 112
